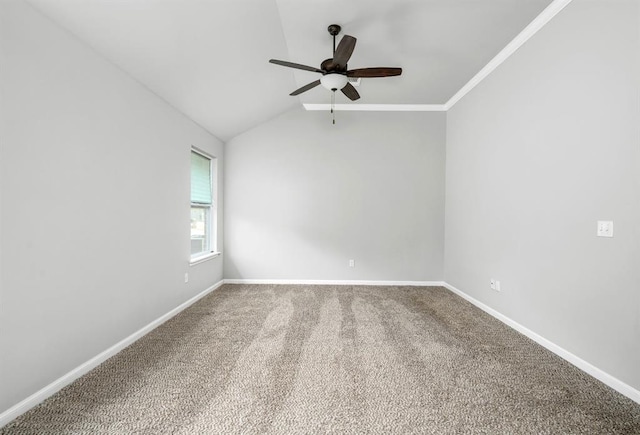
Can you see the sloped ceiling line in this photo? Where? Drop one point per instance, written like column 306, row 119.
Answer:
column 209, row 59
column 536, row 25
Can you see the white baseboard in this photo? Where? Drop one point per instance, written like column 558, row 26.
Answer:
column 583, row 365
column 67, row 379
column 39, row 396
column 335, row 282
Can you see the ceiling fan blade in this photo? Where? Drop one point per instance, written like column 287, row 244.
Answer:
column 374, row 72
column 295, row 65
column 305, row 88
column 343, row 52
column 350, row 92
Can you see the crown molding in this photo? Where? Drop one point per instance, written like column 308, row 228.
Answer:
column 378, row 107
column 538, row 23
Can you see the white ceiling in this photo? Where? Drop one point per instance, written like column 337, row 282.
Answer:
column 209, row 58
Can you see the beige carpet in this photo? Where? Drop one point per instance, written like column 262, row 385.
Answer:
column 333, row 359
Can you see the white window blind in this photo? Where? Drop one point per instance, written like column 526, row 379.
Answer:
column 200, row 179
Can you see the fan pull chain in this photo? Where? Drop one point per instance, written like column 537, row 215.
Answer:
column 333, row 103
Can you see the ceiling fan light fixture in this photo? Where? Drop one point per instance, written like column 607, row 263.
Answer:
column 334, row 81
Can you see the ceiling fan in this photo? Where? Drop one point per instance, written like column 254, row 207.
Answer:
column 334, row 70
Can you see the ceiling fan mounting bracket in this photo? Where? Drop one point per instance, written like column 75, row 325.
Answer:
column 334, row 29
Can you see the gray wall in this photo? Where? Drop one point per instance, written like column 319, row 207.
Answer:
column 536, row 154
column 94, row 197
column 305, row 196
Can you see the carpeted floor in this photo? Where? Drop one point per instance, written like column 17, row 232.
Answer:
column 333, row 359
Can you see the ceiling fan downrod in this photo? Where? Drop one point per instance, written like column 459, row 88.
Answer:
column 334, row 29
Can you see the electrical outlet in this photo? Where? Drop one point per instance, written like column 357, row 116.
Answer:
column 605, row 229
column 352, row 263
column 186, row 277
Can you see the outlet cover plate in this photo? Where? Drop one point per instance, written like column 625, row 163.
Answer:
column 605, row 228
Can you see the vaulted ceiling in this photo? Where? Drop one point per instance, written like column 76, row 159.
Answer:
column 209, row 58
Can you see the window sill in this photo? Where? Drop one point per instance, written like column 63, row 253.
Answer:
column 203, row 258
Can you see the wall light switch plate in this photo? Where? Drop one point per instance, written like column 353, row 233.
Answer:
column 605, row 228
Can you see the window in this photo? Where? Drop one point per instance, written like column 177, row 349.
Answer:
column 203, row 216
